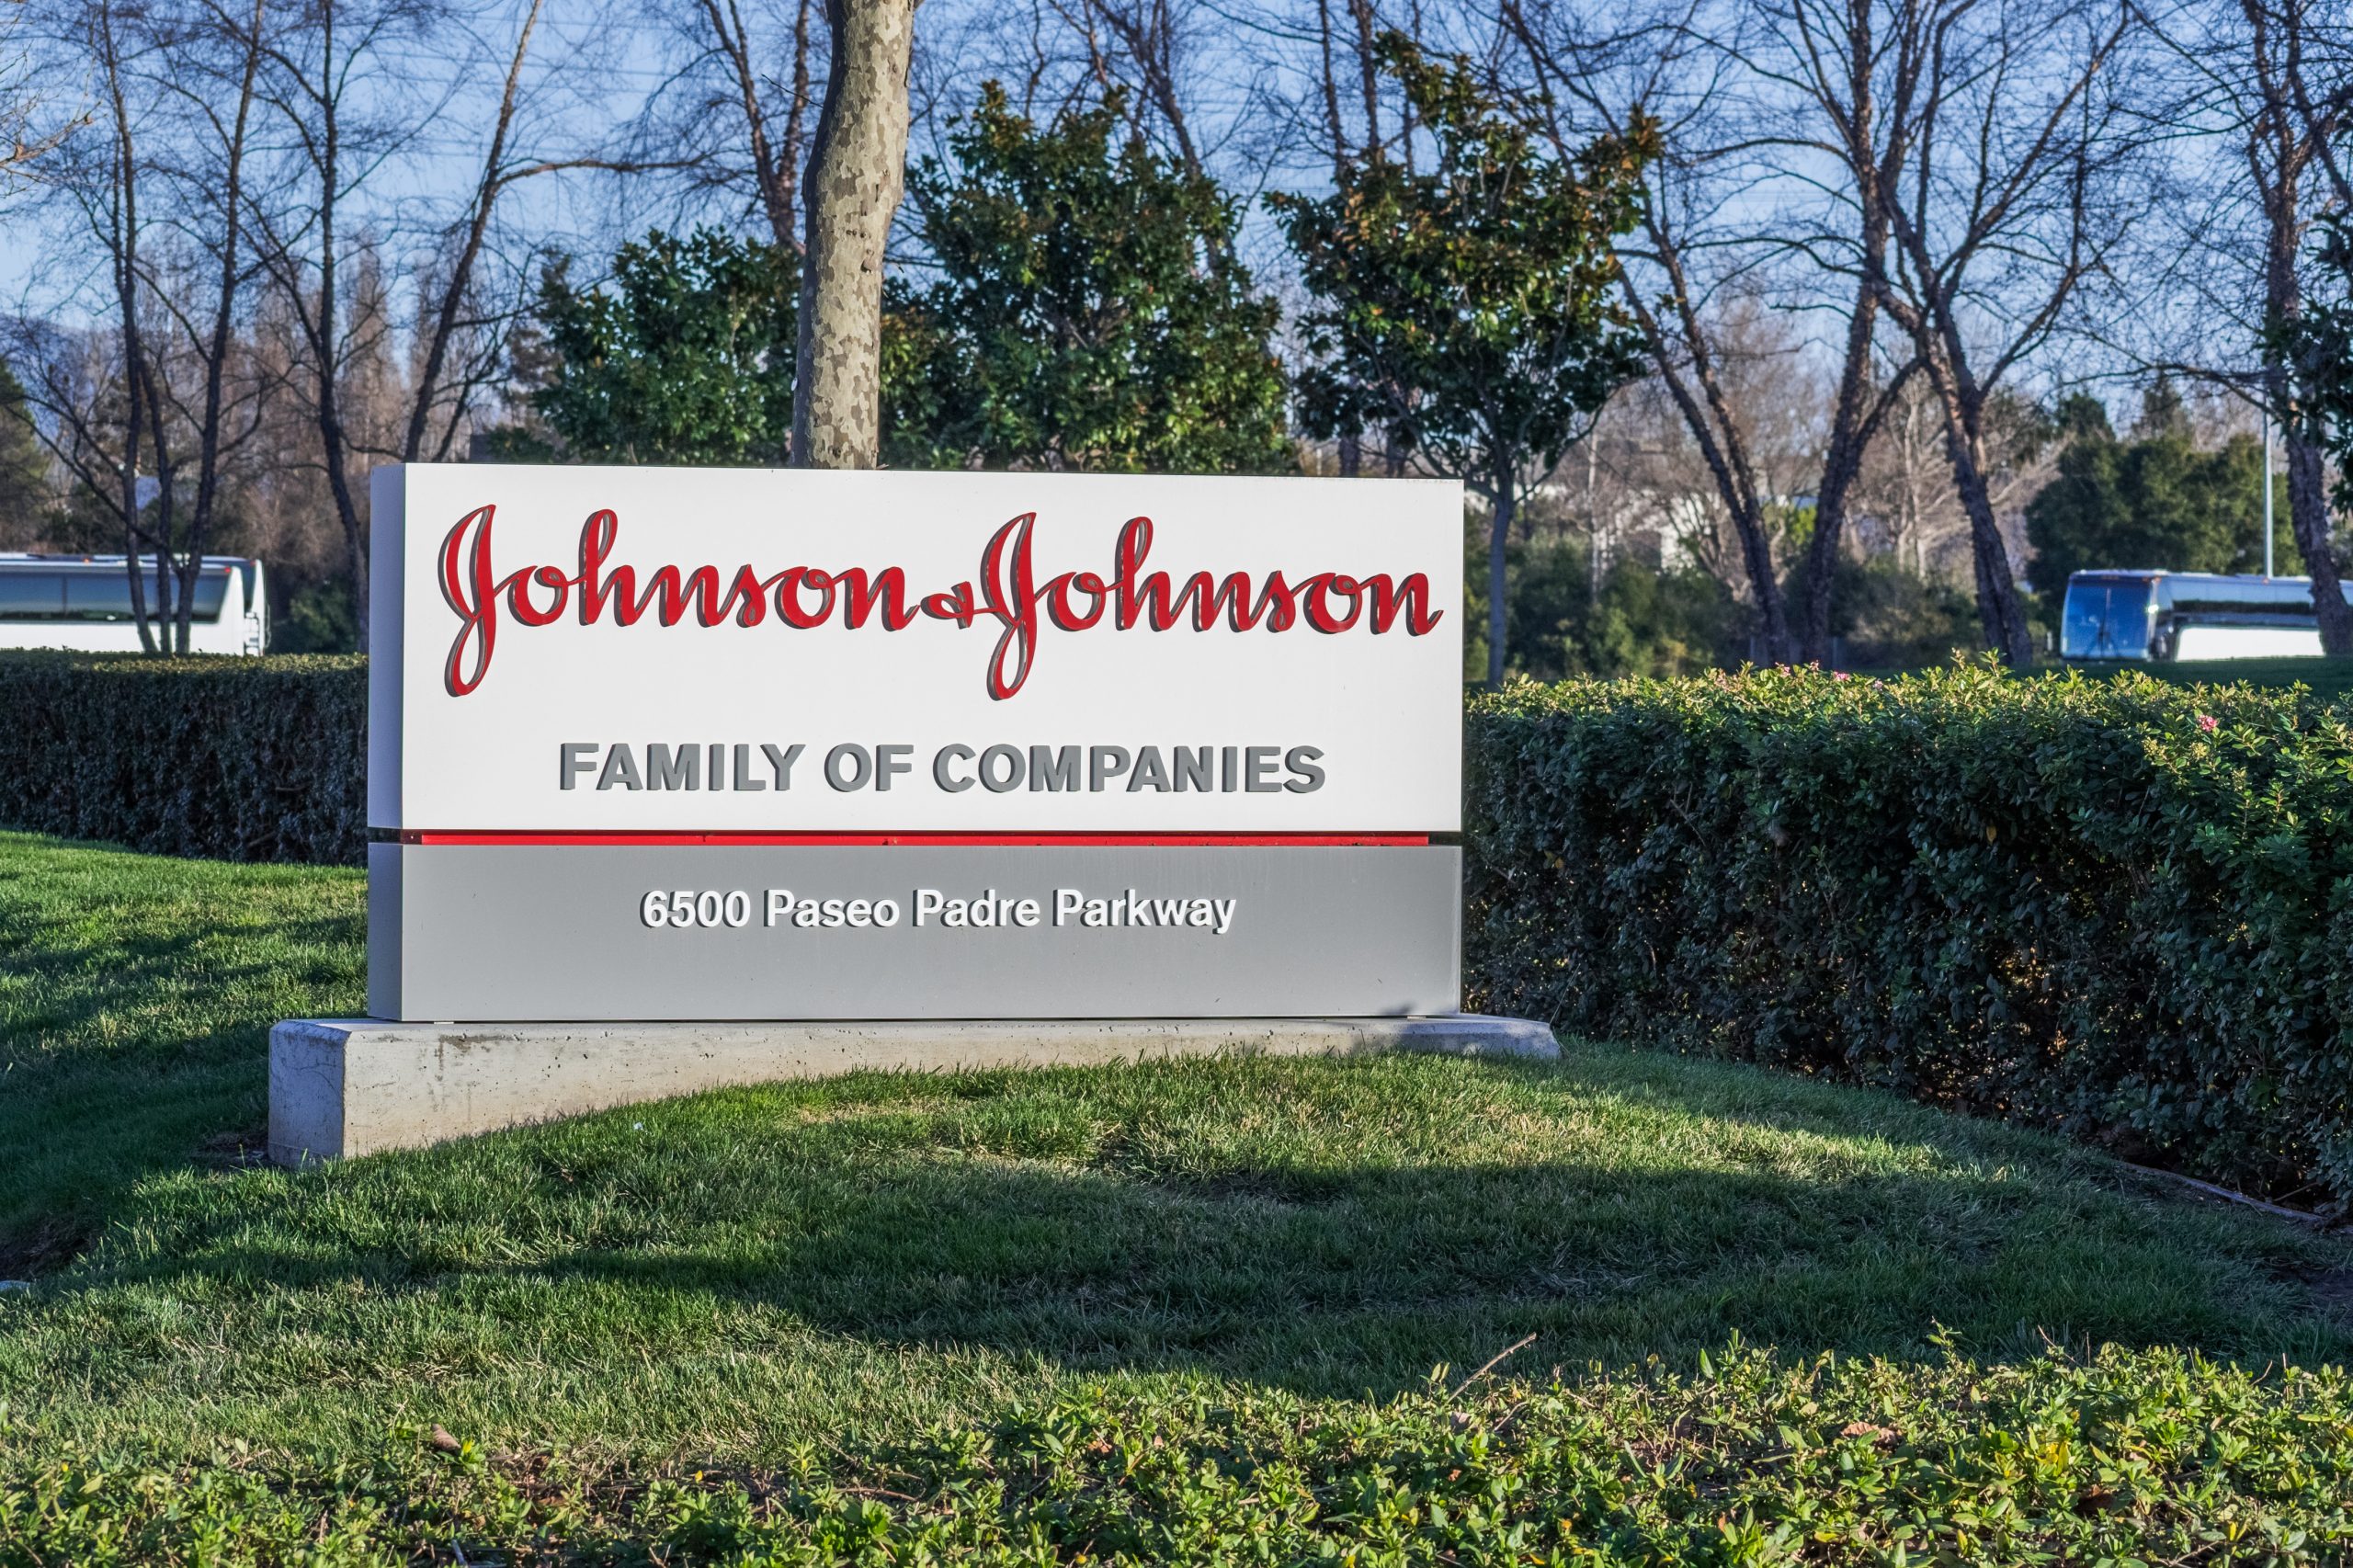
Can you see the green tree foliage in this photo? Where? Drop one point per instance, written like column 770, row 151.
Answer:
column 1643, row 620
column 2318, row 346
column 26, row 502
column 1470, row 310
column 2154, row 500
column 1889, row 617
column 684, row 357
column 1087, row 313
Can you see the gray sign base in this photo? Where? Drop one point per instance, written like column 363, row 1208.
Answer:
column 340, row 1087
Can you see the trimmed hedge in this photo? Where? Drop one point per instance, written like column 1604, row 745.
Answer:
column 239, row 759
column 2116, row 908
column 2131, row 1456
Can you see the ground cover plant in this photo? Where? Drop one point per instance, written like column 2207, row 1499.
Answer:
column 2123, row 1459
column 2118, row 908
column 1013, row 1316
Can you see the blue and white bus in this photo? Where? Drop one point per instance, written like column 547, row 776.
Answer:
column 83, row 603
column 2187, row 615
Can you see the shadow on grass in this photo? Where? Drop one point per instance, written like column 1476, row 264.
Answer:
column 136, row 996
column 1262, row 1222
column 82, row 1137
column 215, row 1007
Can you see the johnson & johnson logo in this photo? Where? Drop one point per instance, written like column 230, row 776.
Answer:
column 805, row 596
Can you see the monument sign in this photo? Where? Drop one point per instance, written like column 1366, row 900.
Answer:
column 787, row 744
column 823, row 748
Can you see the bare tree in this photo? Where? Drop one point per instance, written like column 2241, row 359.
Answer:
column 1690, row 365
column 160, row 192
column 1827, row 51
column 857, row 175
column 121, row 235
column 320, row 64
column 329, row 83
column 1754, row 97
column 234, row 267
column 2291, row 139
column 744, row 123
column 2007, row 133
column 1152, row 36
column 442, row 394
column 30, row 128
column 2259, row 95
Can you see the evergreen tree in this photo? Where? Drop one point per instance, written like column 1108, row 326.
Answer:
column 2081, row 416
column 2163, row 412
column 26, row 501
column 684, row 357
column 2317, row 344
column 2155, row 501
column 1087, row 312
column 1470, row 310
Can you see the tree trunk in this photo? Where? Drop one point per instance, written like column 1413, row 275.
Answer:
column 216, row 358
column 2308, row 516
column 2279, row 183
column 166, row 471
column 1854, row 422
column 1998, row 610
column 1821, row 568
column 461, row 269
column 1507, row 501
column 125, row 233
column 856, row 172
column 1772, row 610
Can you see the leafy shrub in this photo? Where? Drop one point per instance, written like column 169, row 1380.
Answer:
column 1889, row 618
column 2151, row 1456
column 241, row 759
column 2117, row 908
column 1644, row 620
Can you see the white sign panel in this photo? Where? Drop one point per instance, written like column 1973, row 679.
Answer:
column 611, row 650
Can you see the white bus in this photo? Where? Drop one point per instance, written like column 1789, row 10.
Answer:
column 83, row 603
column 2187, row 615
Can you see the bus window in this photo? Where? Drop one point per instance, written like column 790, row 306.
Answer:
column 2105, row 620
column 106, row 596
column 33, row 595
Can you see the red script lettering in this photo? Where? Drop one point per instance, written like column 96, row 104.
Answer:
column 1008, row 592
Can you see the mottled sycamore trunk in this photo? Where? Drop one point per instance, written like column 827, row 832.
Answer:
column 856, row 172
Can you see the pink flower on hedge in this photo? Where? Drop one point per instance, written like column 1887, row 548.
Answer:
column 2206, row 722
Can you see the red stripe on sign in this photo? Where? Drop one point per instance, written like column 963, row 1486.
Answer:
column 832, row 840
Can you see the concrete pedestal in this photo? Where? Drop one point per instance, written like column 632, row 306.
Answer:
column 345, row 1086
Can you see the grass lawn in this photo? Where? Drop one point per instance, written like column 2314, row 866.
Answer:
column 2328, row 678
column 1010, row 1316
